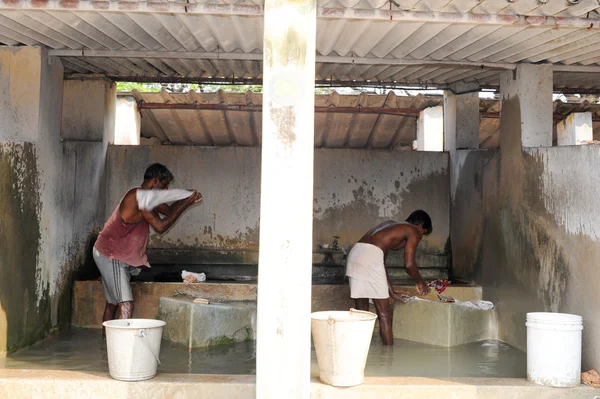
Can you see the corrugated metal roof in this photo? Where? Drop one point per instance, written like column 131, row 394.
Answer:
column 234, row 29
column 345, row 126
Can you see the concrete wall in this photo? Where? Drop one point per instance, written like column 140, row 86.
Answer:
column 525, row 227
column 354, row 190
column 84, row 106
column 48, row 194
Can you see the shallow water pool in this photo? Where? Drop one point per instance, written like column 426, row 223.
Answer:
column 84, row 350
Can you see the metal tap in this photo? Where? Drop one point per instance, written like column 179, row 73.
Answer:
column 335, row 245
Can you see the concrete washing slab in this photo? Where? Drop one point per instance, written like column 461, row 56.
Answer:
column 197, row 325
column 88, row 297
column 42, row 384
column 442, row 324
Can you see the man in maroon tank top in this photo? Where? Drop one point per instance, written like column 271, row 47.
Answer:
column 120, row 250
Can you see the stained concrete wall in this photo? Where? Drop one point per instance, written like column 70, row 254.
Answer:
column 354, row 190
column 84, row 109
column 525, row 227
column 48, row 193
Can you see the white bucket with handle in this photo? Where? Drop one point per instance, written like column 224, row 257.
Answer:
column 342, row 341
column 554, row 349
column 133, row 347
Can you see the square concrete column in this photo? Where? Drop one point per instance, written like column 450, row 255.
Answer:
column 89, row 110
column 526, row 105
column 461, row 121
column 128, row 121
column 35, row 216
column 576, row 129
column 461, row 129
column 430, row 129
column 286, row 214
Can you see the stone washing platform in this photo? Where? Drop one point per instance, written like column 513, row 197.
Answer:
column 442, row 324
column 198, row 325
column 88, row 297
column 54, row 384
column 424, row 321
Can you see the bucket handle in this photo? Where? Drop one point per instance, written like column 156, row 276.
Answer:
column 352, row 310
column 331, row 331
column 142, row 333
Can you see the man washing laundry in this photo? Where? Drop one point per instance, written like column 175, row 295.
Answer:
column 366, row 270
column 120, row 250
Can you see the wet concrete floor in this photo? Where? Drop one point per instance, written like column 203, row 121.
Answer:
column 84, row 350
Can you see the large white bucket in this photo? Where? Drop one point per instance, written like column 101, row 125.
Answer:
column 133, row 347
column 554, row 349
column 342, row 341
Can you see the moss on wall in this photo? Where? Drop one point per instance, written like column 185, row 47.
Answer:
column 27, row 316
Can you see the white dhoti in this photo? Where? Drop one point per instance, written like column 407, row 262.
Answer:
column 366, row 272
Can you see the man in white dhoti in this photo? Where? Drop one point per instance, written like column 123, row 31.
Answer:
column 366, row 270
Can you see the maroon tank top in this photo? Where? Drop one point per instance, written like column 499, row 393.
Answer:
column 124, row 241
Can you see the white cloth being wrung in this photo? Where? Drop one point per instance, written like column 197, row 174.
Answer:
column 149, row 199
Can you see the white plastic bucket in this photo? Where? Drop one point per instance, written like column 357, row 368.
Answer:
column 554, row 349
column 133, row 347
column 342, row 340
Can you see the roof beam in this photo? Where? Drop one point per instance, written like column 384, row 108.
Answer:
column 87, row 53
column 258, row 108
column 459, row 18
column 412, row 112
column 318, row 83
column 322, row 12
column 154, row 7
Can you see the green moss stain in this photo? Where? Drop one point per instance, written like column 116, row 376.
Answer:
column 28, row 317
column 222, row 340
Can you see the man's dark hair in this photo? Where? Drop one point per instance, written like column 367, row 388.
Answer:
column 420, row 217
column 159, row 171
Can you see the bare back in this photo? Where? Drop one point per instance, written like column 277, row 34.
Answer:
column 128, row 209
column 391, row 236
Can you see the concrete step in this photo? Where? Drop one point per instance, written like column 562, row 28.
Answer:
column 234, row 258
column 88, row 296
column 54, row 384
column 322, row 273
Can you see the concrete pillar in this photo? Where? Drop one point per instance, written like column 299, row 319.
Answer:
column 34, row 232
column 526, row 105
column 576, row 129
column 461, row 121
column 285, row 256
column 430, row 129
column 461, row 130
column 89, row 110
column 128, row 121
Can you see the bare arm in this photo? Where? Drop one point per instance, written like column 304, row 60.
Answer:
column 393, row 293
column 410, row 263
column 166, row 210
column 160, row 225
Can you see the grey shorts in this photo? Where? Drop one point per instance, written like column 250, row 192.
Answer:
column 115, row 278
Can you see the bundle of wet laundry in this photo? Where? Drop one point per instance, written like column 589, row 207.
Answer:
column 480, row 304
column 439, row 285
column 189, row 277
column 591, row 378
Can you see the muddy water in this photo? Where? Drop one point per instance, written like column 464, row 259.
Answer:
column 84, row 350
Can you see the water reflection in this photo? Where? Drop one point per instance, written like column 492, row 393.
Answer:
column 84, row 350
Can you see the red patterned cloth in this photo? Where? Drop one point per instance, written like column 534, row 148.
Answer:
column 439, row 285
